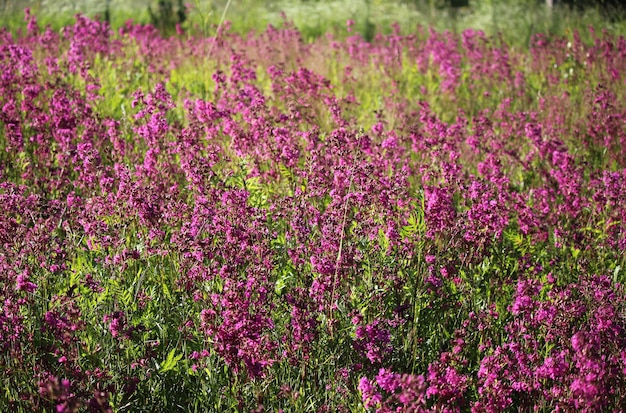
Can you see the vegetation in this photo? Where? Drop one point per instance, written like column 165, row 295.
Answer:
column 311, row 218
column 516, row 20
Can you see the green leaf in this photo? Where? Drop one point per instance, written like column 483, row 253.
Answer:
column 383, row 240
column 281, row 282
column 416, row 224
column 285, row 172
column 170, row 363
column 166, row 291
column 127, row 297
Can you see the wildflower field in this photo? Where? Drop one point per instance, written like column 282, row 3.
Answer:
column 427, row 222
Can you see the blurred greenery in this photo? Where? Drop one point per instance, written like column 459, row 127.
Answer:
column 516, row 20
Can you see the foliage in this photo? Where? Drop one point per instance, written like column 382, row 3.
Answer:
column 420, row 222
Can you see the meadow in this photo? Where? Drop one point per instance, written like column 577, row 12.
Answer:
column 216, row 220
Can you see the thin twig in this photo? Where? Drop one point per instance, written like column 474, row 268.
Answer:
column 219, row 26
column 217, row 33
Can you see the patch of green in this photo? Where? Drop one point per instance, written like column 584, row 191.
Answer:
column 516, row 21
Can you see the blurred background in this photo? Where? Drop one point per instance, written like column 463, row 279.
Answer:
column 516, row 20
